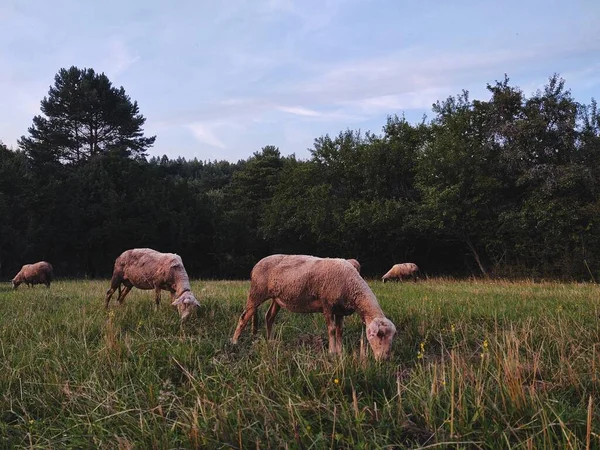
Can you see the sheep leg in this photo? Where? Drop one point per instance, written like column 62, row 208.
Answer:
column 330, row 330
column 270, row 317
column 110, row 293
column 254, row 323
column 339, row 326
column 256, row 297
column 244, row 318
column 122, row 295
column 157, row 296
column 115, row 283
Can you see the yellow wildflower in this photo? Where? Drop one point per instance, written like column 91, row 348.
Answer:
column 421, row 351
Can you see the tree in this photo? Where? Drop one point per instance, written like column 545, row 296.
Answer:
column 457, row 176
column 553, row 181
column 242, row 207
column 85, row 115
column 13, row 209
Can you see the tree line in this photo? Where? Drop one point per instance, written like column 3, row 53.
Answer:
column 505, row 187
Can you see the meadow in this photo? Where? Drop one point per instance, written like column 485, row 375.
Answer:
column 476, row 364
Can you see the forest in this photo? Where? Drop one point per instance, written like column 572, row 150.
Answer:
column 506, row 187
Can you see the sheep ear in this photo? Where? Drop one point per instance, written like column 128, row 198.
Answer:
column 177, row 302
column 189, row 301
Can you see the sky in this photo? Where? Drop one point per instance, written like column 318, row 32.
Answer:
column 219, row 80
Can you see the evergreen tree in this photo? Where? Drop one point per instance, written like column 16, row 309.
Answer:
column 85, row 115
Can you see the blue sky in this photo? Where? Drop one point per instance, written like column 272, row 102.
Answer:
column 221, row 79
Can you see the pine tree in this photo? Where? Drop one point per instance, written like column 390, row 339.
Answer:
column 85, row 115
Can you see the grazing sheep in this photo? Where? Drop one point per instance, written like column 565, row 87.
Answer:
column 354, row 262
column 30, row 274
column 307, row 284
column 400, row 271
column 145, row 268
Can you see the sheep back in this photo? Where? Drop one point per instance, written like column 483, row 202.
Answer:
column 303, row 283
column 146, row 268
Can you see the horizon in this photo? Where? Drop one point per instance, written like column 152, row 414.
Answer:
column 221, row 81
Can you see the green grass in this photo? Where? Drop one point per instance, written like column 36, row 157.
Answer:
column 475, row 365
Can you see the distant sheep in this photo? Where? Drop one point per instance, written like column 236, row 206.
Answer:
column 307, row 284
column 30, row 274
column 401, row 271
column 145, row 268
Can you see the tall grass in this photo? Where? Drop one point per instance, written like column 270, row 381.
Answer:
column 475, row 365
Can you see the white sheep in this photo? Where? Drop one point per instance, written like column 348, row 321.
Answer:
column 37, row 273
column 307, row 284
column 401, row 271
column 145, row 268
column 354, row 263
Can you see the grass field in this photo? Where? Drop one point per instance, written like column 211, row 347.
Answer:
column 475, row 365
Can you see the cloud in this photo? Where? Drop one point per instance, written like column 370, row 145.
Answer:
column 204, row 133
column 119, row 57
column 407, row 101
column 586, row 77
column 299, row 111
column 335, row 93
column 281, row 5
column 236, row 75
column 351, row 90
column 409, row 71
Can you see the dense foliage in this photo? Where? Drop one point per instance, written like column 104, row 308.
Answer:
column 503, row 187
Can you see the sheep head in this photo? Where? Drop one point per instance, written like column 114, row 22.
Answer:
column 186, row 303
column 380, row 334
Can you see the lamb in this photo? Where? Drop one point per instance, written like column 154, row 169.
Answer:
column 145, row 268
column 30, row 274
column 307, row 284
column 400, row 271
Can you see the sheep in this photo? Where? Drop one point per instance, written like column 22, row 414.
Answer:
column 307, row 284
column 145, row 268
column 400, row 271
column 354, row 262
column 30, row 274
